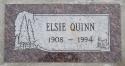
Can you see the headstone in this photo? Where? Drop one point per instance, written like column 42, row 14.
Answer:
column 62, row 33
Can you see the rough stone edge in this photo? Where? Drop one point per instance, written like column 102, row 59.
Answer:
column 1, row 31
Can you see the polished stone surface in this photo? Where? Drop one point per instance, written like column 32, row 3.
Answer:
column 36, row 55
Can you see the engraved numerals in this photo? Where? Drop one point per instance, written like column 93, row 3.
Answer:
column 85, row 39
column 55, row 39
column 79, row 39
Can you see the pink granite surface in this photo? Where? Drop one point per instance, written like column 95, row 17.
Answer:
column 36, row 55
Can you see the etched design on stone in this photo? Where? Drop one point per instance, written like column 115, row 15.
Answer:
column 24, row 33
column 27, row 35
